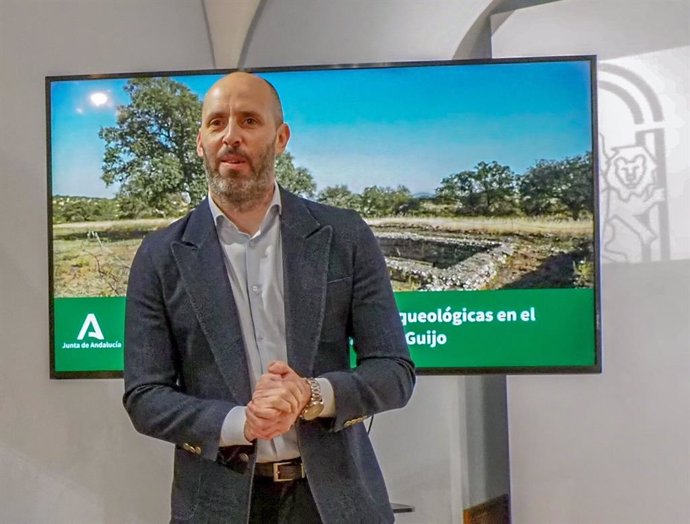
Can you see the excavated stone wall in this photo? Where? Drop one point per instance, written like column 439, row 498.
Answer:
column 440, row 263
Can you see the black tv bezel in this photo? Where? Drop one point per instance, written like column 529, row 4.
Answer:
column 595, row 368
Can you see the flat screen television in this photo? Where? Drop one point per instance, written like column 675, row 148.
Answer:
column 479, row 179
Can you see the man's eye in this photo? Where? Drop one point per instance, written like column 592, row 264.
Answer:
column 250, row 120
column 215, row 122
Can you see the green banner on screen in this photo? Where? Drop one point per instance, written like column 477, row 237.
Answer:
column 444, row 330
column 503, row 328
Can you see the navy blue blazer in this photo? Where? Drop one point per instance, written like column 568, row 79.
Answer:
column 185, row 363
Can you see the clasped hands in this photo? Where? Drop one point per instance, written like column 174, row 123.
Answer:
column 279, row 397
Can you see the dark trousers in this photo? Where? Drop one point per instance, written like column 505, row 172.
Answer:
column 282, row 503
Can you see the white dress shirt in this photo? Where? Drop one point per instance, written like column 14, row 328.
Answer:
column 254, row 265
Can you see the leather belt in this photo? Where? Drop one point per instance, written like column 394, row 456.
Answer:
column 282, row 471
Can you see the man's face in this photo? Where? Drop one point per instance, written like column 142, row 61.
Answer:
column 240, row 137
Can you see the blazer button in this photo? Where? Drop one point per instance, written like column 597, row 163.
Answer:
column 243, row 457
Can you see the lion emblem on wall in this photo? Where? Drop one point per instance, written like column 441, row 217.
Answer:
column 631, row 191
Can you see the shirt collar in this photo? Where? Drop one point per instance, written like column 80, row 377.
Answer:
column 218, row 214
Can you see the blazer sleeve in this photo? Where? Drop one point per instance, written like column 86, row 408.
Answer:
column 153, row 398
column 384, row 376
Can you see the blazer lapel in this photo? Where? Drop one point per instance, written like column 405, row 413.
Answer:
column 306, row 248
column 200, row 261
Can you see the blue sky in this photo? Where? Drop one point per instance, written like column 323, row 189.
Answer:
column 407, row 126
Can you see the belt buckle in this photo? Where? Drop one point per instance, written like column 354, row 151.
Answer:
column 276, row 471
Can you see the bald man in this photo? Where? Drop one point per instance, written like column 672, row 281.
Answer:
column 238, row 329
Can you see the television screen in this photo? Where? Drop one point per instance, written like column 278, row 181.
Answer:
column 478, row 179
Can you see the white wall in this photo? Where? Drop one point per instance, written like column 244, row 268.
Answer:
column 447, row 450
column 615, row 448
column 68, row 453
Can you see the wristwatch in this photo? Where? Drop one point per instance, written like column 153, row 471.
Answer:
column 315, row 405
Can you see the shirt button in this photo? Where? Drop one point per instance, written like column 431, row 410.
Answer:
column 256, row 289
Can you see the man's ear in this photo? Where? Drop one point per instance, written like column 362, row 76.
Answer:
column 199, row 147
column 282, row 138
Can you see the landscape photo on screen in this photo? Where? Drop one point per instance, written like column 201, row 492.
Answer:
column 477, row 180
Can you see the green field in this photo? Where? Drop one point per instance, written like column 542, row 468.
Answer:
column 92, row 259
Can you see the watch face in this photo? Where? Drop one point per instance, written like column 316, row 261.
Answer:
column 312, row 411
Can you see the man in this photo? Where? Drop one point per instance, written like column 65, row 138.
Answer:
column 238, row 327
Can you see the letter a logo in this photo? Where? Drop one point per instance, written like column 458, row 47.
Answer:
column 90, row 322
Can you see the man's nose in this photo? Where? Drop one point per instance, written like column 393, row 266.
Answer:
column 232, row 136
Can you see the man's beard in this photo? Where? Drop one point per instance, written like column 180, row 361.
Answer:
column 243, row 192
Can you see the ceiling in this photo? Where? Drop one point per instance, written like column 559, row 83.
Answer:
column 262, row 33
